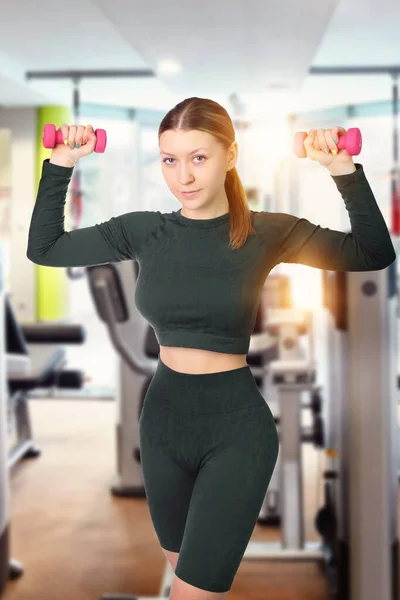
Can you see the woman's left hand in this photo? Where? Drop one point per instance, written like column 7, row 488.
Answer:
column 320, row 146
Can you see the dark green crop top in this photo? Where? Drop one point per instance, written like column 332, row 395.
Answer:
column 193, row 289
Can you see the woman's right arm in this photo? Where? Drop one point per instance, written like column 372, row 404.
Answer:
column 50, row 245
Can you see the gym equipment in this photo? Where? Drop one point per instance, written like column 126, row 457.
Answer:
column 285, row 325
column 51, row 137
column 30, row 366
column 287, row 377
column 361, row 481
column 358, row 523
column 351, row 141
column 34, row 359
column 7, row 569
column 22, row 368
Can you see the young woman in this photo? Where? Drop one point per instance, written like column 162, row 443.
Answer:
column 208, row 440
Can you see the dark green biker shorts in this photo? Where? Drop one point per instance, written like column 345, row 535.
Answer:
column 208, row 446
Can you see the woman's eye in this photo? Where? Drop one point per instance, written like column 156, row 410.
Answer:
column 198, row 156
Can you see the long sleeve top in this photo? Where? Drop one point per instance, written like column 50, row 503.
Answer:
column 193, row 288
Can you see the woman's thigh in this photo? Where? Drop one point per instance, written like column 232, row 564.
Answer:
column 227, row 498
column 168, row 487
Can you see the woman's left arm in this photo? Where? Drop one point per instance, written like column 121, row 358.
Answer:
column 367, row 248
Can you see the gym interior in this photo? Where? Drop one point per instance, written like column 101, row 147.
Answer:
column 77, row 357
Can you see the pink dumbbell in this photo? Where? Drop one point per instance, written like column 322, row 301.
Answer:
column 351, row 141
column 51, row 137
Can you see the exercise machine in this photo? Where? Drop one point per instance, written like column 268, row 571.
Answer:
column 35, row 358
column 30, row 357
column 9, row 568
column 358, row 523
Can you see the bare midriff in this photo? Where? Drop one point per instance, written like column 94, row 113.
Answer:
column 197, row 361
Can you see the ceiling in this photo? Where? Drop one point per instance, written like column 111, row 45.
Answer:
column 260, row 51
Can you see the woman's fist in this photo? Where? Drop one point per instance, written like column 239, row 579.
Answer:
column 321, row 145
column 79, row 140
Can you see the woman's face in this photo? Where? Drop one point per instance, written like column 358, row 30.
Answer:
column 194, row 160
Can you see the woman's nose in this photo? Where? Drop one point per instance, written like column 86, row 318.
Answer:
column 184, row 175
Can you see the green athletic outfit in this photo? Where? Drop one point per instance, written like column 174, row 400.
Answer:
column 209, row 443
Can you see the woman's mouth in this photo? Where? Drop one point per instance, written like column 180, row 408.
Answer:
column 190, row 194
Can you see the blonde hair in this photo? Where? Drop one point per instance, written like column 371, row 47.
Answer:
column 209, row 116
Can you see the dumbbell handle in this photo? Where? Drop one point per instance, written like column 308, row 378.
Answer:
column 59, row 137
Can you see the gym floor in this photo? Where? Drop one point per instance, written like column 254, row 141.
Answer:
column 76, row 541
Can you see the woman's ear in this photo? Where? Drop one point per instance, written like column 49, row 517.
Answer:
column 232, row 155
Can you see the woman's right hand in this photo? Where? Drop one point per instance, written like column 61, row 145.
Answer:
column 75, row 134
